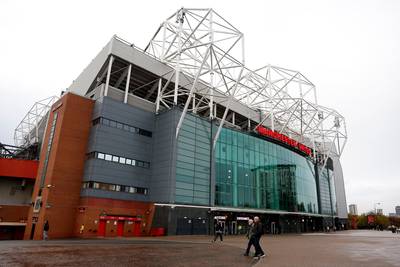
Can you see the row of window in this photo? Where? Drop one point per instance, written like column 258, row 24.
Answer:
column 49, row 145
column 118, row 159
column 122, row 126
column 115, row 187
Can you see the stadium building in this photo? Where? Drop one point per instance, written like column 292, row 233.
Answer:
column 168, row 139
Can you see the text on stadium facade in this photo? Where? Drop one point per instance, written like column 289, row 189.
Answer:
column 284, row 139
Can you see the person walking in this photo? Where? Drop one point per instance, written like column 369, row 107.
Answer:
column 250, row 236
column 82, row 228
column 46, row 228
column 218, row 231
column 258, row 232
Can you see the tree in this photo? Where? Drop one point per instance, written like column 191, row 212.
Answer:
column 382, row 221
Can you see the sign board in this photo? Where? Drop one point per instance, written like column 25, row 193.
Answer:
column 119, row 218
column 284, row 139
column 37, row 205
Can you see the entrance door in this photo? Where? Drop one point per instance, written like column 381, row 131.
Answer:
column 120, row 228
column 136, row 228
column 234, row 228
column 199, row 226
column 184, row 226
column 273, row 228
column 32, row 231
column 102, row 228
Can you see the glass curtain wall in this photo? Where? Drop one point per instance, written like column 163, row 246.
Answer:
column 327, row 191
column 193, row 162
column 254, row 173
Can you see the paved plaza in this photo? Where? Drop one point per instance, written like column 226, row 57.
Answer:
column 348, row 248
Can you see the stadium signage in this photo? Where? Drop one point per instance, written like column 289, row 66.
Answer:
column 283, row 138
column 120, row 218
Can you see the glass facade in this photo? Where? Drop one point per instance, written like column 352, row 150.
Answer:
column 250, row 172
column 327, row 191
column 193, row 162
column 254, row 173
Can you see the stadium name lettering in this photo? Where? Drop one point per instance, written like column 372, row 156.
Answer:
column 284, row 139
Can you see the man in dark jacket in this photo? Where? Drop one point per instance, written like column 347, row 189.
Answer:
column 46, row 228
column 250, row 236
column 258, row 232
column 218, row 231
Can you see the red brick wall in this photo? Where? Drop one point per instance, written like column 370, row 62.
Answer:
column 65, row 167
column 13, row 213
column 91, row 208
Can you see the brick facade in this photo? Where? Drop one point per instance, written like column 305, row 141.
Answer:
column 63, row 175
column 91, row 210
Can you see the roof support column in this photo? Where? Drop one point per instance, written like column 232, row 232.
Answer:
column 191, row 92
column 211, row 104
column 180, row 18
column 128, row 79
column 108, row 74
column 158, row 95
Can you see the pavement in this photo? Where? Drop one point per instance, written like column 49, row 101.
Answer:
column 345, row 248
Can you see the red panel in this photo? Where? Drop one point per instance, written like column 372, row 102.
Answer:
column 102, row 228
column 120, row 228
column 19, row 168
column 157, row 231
column 136, row 229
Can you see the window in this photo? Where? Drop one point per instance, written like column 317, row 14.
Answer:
column 120, row 160
column 91, row 155
column 145, row 133
column 141, row 190
column 103, row 186
column 96, row 121
column 115, row 187
column 121, row 126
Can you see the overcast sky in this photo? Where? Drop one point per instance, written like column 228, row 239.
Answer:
column 349, row 49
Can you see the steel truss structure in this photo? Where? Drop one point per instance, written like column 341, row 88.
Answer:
column 207, row 55
column 28, row 130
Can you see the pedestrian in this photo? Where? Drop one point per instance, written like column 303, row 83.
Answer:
column 82, row 228
column 218, row 231
column 258, row 232
column 46, row 228
column 250, row 236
